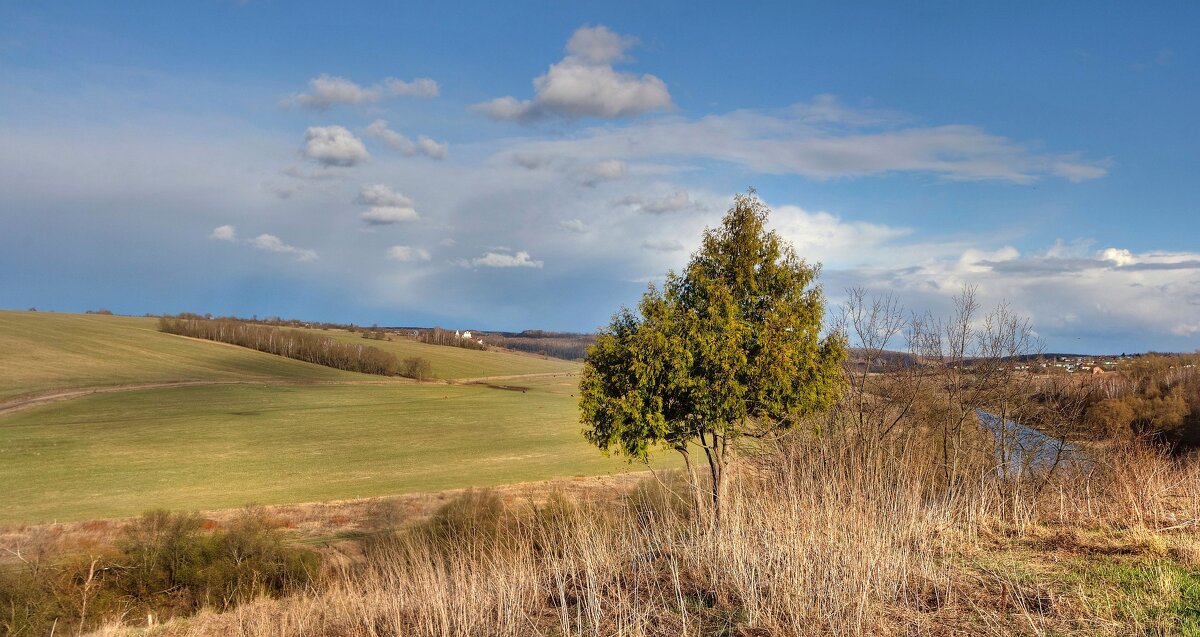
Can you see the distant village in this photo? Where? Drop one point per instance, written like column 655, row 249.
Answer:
column 1077, row 364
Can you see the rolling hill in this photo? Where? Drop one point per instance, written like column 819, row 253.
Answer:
column 262, row 428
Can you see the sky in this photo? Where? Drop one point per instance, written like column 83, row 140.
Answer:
column 521, row 165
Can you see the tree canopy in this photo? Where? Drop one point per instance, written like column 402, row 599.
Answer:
column 731, row 347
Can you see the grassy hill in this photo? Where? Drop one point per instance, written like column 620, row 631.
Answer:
column 457, row 362
column 305, row 433
column 220, row 446
column 43, row 351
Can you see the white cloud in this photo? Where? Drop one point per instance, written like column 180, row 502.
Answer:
column 387, row 215
column 407, row 253
column 328, row 90
column 381, row 195
column 1103, row 296
column 398, row 141
column 573, row 225
column 272, row 243
column 665, row 245
column 419, row 87
column 224, row 233
column 673, row 202
column 609, row 170
column 584, row 84
column 1118, row 256
column 387, row 205
column 431, row 149
column 501, row 258
column 334, row 146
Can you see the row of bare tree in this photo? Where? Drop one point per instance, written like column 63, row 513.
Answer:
column 296, row 344
column 439, row 336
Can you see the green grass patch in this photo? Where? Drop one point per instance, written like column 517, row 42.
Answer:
column 1158, row 595
column 205, row 447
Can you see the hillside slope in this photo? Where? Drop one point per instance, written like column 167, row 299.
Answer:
column 45, row 352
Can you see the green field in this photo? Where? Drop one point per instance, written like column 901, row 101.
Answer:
column 294, row 433
column 224, row 446
column 457, row 362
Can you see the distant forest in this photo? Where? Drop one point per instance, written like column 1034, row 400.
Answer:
column 566, row 345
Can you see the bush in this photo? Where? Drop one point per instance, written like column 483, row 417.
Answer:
column 417, row 367
column 172, row 564
column 474, row 518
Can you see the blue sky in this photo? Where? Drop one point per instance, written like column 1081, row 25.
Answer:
column 521, row 165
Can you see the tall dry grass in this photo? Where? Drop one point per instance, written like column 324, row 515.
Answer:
column 820, row 537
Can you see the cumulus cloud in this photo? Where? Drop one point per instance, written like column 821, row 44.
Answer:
column 387, row 206
column 407, row 253
column 432, row 149
column 272, row 243
column 585, row 84
column 334, row 146
column 665, row 245
column 387, row 215
column 609, row 170
column 573, row 225
column 328, row 90
column 673, row 202
column 501, row 258
column 407, row 147
column 381, row 195
column 224, row 233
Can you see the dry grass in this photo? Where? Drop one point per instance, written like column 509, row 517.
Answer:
column 819, row 539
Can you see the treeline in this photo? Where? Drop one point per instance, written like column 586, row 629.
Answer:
column 439, row 336
column 565, row 345
column 162, row 565
column 311, row 348
column 274, row 321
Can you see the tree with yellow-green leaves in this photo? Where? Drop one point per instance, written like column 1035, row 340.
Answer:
column 730, row 348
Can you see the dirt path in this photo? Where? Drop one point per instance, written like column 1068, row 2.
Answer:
column 37, row 400
column 488, row 379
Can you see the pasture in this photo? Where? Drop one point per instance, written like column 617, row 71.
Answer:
column 209, row 447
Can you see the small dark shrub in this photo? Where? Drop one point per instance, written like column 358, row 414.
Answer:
column 417, row 367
